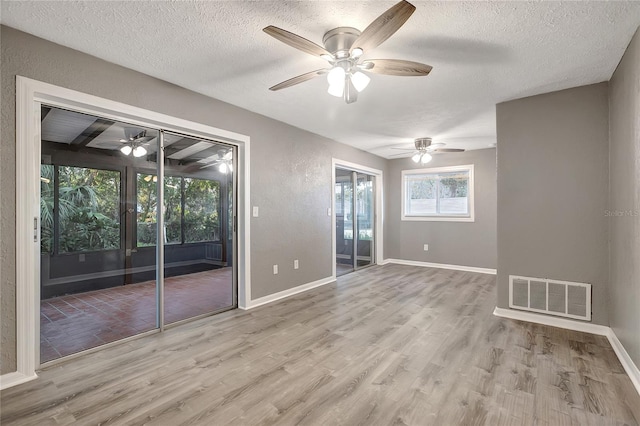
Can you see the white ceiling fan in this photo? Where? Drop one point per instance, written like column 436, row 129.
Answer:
column 424, row 147
column 134, row 140
column 223, row 159
column 343, row 49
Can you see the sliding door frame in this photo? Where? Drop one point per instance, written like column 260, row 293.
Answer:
column 378, row 212
column 30, row 94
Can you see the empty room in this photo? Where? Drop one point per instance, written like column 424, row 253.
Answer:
column 320, row 213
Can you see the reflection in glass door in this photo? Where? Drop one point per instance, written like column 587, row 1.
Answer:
column 106, row 272
column 95, row 287
column 355, row 220
column 198, row 243
column 365, row 219
column 344, row 221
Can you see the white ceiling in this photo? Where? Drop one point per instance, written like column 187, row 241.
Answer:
column 482, row 53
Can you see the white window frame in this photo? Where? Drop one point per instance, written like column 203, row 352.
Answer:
column 440, row 218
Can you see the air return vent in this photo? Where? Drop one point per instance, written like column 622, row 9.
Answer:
column 562, row 298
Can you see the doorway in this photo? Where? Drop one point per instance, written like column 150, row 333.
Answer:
column 355, row 219
column 136, row 230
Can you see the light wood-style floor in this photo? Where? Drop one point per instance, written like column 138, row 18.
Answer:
column 386, row 345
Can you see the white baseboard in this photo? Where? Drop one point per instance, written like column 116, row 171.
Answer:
column 585, row 327
column 286, row 293
column 15, row 378
column 440, row 265
column 629, row 366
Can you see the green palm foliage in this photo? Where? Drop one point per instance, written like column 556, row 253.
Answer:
column 88, row 209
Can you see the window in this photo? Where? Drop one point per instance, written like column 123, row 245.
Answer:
column 344, row 204
column 438, row 194
column 365, row 208
column 146, row 210
column 190, row 208
column 201, row 200
column 172, row 210
column 79, row 209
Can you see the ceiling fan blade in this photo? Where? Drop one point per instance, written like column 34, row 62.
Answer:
column 211, row 164
column 296, row 41
column 396, row 67
column 448, row 150
column 398, row 155
column 404, row 149
column 384, row 26
column 298, row 79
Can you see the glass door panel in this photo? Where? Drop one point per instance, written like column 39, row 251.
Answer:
column 344, row 203
column 95, row 287
column 365, row 210
column 198, row 234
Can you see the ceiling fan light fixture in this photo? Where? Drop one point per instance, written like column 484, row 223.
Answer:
column 360, row 80
column 336, row 90
column 336, row 76
column 356, row 52
column 416, row 157
column 426, row 157
column 139, row 151
column 126, row 149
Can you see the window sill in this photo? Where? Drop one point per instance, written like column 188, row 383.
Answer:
column 437, row 219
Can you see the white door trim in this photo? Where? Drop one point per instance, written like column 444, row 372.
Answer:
column 379, row 231
column 29, row 96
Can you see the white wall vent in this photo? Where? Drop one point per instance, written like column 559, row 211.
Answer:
column 562, row 298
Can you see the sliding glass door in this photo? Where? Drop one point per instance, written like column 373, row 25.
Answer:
column 128, row 243
column 344, row 207
column 198, row 250
column 355, row 220
column 88, row 261
column 365, row 213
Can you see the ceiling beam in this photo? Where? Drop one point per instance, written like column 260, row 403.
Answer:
column 93, row 131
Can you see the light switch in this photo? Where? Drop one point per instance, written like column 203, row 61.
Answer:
column 255, row 211
column 329, row 211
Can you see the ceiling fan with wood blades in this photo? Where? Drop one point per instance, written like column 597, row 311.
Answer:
column 343, row 49
column 424, row 147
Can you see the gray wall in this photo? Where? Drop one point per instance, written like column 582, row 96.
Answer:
column 290, row 172
column 624, row 198
column 457, row 243
column 553, row 190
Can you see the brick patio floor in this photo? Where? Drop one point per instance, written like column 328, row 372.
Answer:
column 73, row 323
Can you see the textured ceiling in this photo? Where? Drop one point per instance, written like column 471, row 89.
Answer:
column 482, row 53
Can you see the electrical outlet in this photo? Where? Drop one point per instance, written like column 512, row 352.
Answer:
column 296, row 265
column 255, row 211
column 426, row 247
column 275, row 269
column 329, row 211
